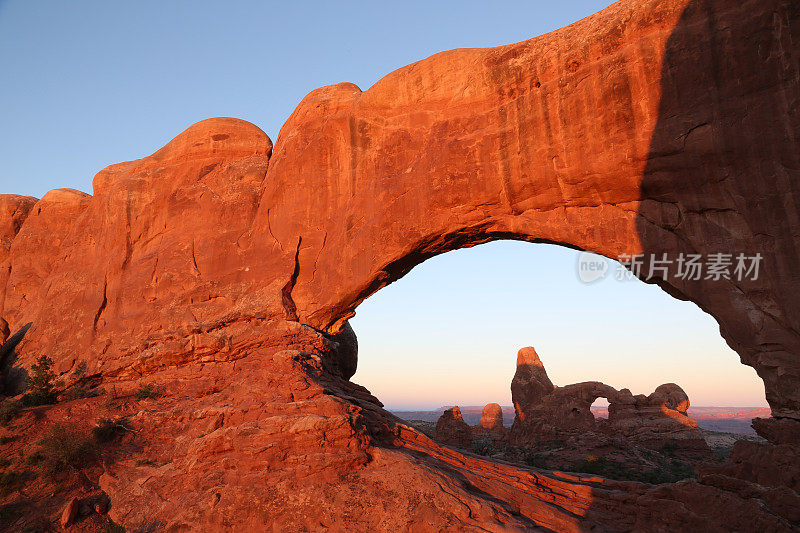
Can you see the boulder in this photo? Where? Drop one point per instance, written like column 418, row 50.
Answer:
column 70, row 512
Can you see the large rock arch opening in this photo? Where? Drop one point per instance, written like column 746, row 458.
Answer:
column 587, row 146
column 451, row 328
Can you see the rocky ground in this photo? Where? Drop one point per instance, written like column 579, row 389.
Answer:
column 721, row 443
column 627, row 462
column 52, row 457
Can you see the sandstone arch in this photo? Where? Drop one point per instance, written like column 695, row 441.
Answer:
column 466, row 147
column 589, row 146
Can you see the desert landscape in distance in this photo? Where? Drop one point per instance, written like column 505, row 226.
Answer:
column 733, row 420
column 178, row 349
column 657, row 438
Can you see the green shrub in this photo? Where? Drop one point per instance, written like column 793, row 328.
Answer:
column 146, row 391
column 673, row 471
column 593, row 465
column 149, row 525
column 9, row 410
column 63, row 446
column 40, row 383
column 80, row 370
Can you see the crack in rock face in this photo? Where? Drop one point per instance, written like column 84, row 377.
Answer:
column 653, row 127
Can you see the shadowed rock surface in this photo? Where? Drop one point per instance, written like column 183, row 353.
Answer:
column 530, row 383
column 225, row 273
column 451, row 429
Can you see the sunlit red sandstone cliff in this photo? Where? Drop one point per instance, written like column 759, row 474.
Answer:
column 227, row 272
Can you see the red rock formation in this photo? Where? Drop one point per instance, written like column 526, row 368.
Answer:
column 14, row 210
column 530, row 384
column 155, row 270
column 70, row 513
column 47, row 225
column 567, row 138
column 542, row 416
column 451, row 429
column 656, row 419
column 227, row 275
column 491, row 422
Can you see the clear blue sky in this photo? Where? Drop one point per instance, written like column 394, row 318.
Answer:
column 89, row 83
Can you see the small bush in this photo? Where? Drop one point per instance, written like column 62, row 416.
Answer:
column 482, row 446
column 40, row 383
column 35, row 399
column 536, row 460
column 146, row 391
column 111, row 398
column 149, row 525
column 78, row 393
column 9, row 410
column 63, row 446
column 80, row 370
column 106, row 429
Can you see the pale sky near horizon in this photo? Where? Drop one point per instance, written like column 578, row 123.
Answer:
column 86, row 84
column 449, row 331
